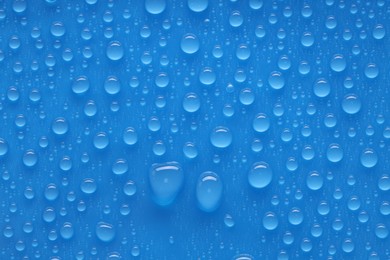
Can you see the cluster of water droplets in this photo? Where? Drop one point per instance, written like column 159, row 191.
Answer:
column 277, row 126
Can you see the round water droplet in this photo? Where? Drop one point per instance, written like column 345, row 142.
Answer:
column 379, row 32
column 261, row 123
column 30, row 158
column 191, row 102
column 166, row 181
column 338, row 63
column 351, row 104
column 190, row 150
column 247, row 97
column 3, row 147
column 381, row 231
column 115, row 50
column 270, row 221
column 348, row 246
column 228, row 220
column 80, row 85
column 130, row 136
column 67, row 230
column 384, row 183
column 295, row 216
column 260, row 175
column 198, row 5
column 105, row 232
column 209, row 191
column 276, row 80
column 155, row 6
column 60, row 126
column 189, row 43
column 221, row 137
column 236, row 19
column 130, row 188
column 371, row 71
column 334, row 153
column 207, row 76
column 112, row 85
column 321, row 88
column 243, row 52
column 57, row 29
column 120, row 167
column 314, row 181
column 88, row 186
column 101, row 140
column 368, row 158
column 51, row 192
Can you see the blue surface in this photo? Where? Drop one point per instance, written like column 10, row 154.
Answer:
column 195, row 129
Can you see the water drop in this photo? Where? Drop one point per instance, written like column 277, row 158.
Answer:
column 221, row 137
column 189, row 43
column 166, row 180
column 261, row 123
column 368, row 158
column 260, row 175
column 105, row 232
column 155, row 6
column 115, row 50
column 270, row 221
column 209, row 191
column 351, row 104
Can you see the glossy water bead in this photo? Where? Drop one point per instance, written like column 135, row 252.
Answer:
column 209, row 191
column 115, row 50
column 166, row 180
column 351, row 104
column 260, row 175
column 197, row 5
column 221, row 137
column 189, row 43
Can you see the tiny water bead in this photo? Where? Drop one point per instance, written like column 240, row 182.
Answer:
column 105, row 232
column 228, row 220
column 261, row 123
column 120, row 167
column 351, row 104
column 115, row 50
column 197, row 5
column 321, row 88
column 130, row 188
column 155, row 6
column 209, row 191
column 190, row 43
column 221, row 137
column 166, row 180
column 80, row 85
column 260, row 175
column 368, row 158
column 60, row 126
column 270, row 221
